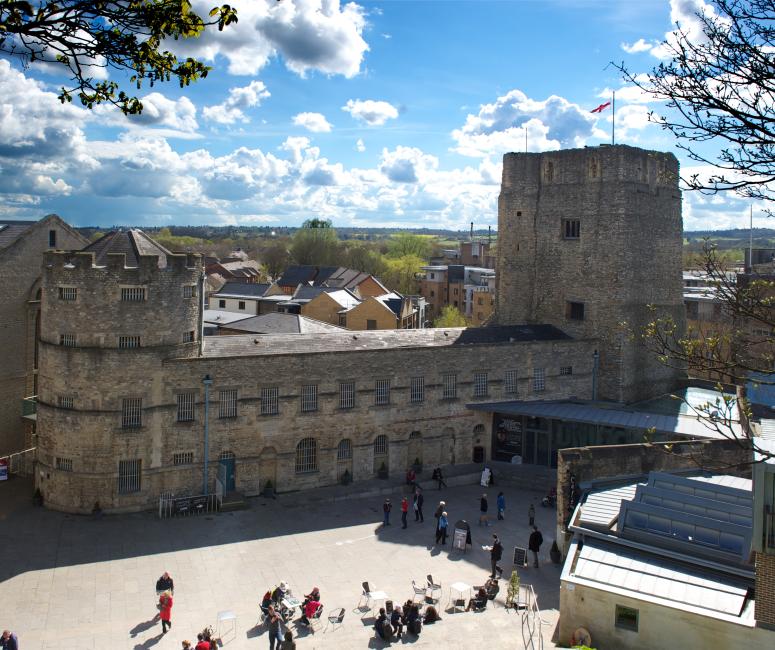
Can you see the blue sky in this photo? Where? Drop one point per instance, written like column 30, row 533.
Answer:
column 366, row 113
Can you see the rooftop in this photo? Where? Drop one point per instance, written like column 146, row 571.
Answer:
column 11, row 230
column 242, row 290
column 132, row 243
column 277, row 323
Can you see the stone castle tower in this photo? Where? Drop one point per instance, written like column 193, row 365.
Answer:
column 587, row 239
column 111, row 314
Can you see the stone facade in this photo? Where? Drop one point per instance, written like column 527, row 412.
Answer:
column 587, row 240
column 20, row 264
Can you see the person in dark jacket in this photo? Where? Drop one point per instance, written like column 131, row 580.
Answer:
column 496, row 553
column 419, row 499
column 165, row 583
column 396, row 623
column 9, row 641
column 438, row 476
column 379, row 624
column 386, row 508
column 534, row 544
column 483, row 507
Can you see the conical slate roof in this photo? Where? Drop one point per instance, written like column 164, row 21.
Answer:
column 132, row 243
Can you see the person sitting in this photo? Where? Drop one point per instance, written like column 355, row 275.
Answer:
column 280, row 592
column 165, row 583
column 266, row 601
column 479, row 601
column 413, row 620
column 396, row 623
column 382, row 626
column 492, row 588
column 202, row 643
column 411, row 477
column 431, row 615
column 312, row 595
column 310, row 607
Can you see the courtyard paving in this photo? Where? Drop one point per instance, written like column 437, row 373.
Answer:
column 73, row 582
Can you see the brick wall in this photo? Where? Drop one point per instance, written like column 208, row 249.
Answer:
column 764, row 609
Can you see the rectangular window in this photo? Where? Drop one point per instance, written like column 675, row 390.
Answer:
column 574, row 310
column 131, row 413
column 132, row 294
column 571, row 228
column 64, row 464
column 627, row 618
column 241, row 305
column 480, row 384
column 448, row 385
column 270, row 401
column 185, row 407
column 221, row 304
column 510, row 382
column 346, row 395
column 129, row 476
column 371, row 324
column 52, row 238
column 342, row 320
column 68, row 293
column 127, row 342
column 227, row 403
column 183, row 458
column 309, row 398
column 539, row 380
column 68, row 340
column 65, row 401
column 417, row 390
column 566, row 370
column 189, row 290
column 188, row 337
column 382, row 392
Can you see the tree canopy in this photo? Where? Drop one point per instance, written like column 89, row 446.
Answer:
column 450, row 316
column 91, row 39
column 315, row 243
column 719, row 87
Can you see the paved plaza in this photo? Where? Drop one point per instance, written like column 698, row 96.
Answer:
column 73, row 582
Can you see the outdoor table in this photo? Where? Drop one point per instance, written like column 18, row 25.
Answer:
column 459, row 588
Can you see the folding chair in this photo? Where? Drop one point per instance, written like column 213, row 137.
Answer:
column 419, row 591
column 433, row 587
column 335, row 618
column 314, row 620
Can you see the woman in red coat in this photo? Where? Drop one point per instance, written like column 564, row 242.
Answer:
column 165, row 611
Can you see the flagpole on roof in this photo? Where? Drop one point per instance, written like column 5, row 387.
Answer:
column 613, row 117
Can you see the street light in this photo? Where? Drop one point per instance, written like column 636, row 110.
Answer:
column 207, row 381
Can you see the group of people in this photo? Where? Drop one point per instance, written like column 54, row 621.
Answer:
column 278, row 613
column 391, row 621
column 165, row 587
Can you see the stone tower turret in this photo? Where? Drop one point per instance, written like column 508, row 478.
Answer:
column 111, row 314
column 587, row 239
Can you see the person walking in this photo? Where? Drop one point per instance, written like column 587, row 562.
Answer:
column 496, row 553
column 386, row 508
column 404, row 511
column 534, row 544
column 288, row 643
column 531, row 515
column 419, row 499
column 275, row 627
column 501, row 504
column 483, row 521
column 443, row 525
column 165, row 583
column 438, row 476
column 165, row 611
column 437, row 514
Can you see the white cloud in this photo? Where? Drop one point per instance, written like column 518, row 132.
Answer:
column 641, row 45
column 500, row 127
column 360, row 147
column 372, row 112
column 309, row 35
column 407, row 164
column 315, row 122
column 232, row 109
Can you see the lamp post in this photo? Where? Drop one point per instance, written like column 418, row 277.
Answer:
column 207, row 381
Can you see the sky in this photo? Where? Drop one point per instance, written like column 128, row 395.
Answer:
column 375, row 114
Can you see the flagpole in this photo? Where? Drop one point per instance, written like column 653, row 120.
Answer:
column 613, row 117
column 750, row 243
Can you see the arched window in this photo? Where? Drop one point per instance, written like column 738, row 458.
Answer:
column 345, row 450
column 306, row 456
column 380, row 445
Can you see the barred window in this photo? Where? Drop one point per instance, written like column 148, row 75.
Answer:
column 189, row 290
column 270, row 401
column 68, row 293
column 65, row 401
column 183, row 458
column 226, row 455
column 127, row 342
column 510, row 383
column 132, row 294
column 539, row 380
column 309, row 398
column 131, row 413
column 417, row 390
column 227, row 403
column 129, row 476
column 306, row 456
column 67, row 340
column 574, row 310
column 185, row 407
column 480, row 384
column 188, row 337
column 346, row 395
column 566, row 370
column 64, row 464
column 382, row 392
column 571, row 228
column 381, row 445
column 449, row 385
column 345, row 450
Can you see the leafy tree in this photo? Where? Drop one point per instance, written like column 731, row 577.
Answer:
column 315, row 243
column 274, row 258
column 87, row 38
column 401, row 273
column 363, row 257
column 405, row 243
column 450, row 316
column 720, row 90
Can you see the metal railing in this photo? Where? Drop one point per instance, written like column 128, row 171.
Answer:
column 22, row 462
column 30, row 406
column 532, row 634
column 186, row 506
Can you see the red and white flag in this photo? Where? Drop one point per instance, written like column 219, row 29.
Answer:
column 600, row 108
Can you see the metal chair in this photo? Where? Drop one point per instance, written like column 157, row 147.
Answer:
column 371, row 596
column 227, row 616
column 433, row 587
column 335, row 618
column 419, row 591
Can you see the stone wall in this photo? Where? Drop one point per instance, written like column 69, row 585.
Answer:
column 627, row 254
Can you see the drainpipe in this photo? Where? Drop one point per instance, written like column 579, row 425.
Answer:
column 201, row 318
column 595, row 368
column 207, row 382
